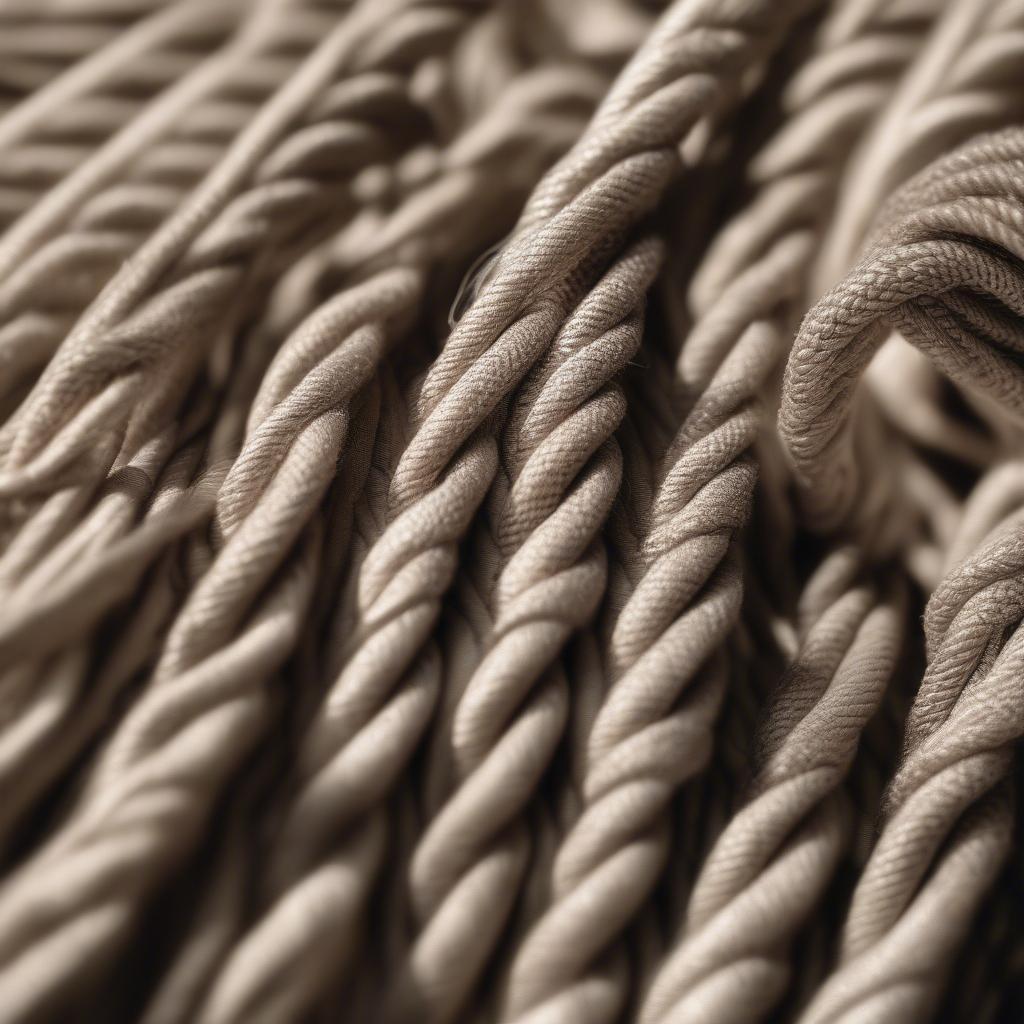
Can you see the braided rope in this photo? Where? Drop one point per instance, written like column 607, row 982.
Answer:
column 140, row 813
column 54, row 129
column 563, row 466
column 704, row 497
column 376, row 711
column 779, row 851
column 946, row 245
column 220, row 244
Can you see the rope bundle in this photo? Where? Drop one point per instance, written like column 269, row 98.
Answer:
column 510, row 512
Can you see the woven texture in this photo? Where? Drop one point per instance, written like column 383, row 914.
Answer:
column 511, row 513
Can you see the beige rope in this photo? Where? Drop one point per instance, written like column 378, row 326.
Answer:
column 208, row 682
column 563, row 467
column 206, row 252
column 668, row 625
column 956, row 751
column 780, row 850
column 408, row 611
column 413, row 231
column 38, row 41
column 375, row 713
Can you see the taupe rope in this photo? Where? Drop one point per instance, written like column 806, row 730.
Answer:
column 437, row 488
column 670, row 622
column 953, row 242
column 427, row 591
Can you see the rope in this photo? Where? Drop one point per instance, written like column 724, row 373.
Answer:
column 925, row 274
column 687, row 596
column 377, row 709
column 510, row 512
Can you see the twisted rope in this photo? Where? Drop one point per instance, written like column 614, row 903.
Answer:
column 55, row 128
column 962, row 83
column 532, row 123
column 945, row 273
column 348, row 679
column 948, row 820
column 860, row 54
column 158, row 775
column 777, row 854
column 60, row 589
column 291, row 957
column 413, row 231
column 563, row 468
column 376, row 711
column 93, row 222
column 686, row 599
column 274, row 194
column 730, row 966
column 925, row 282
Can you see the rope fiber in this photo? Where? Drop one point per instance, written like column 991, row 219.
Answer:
column 511, row 513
